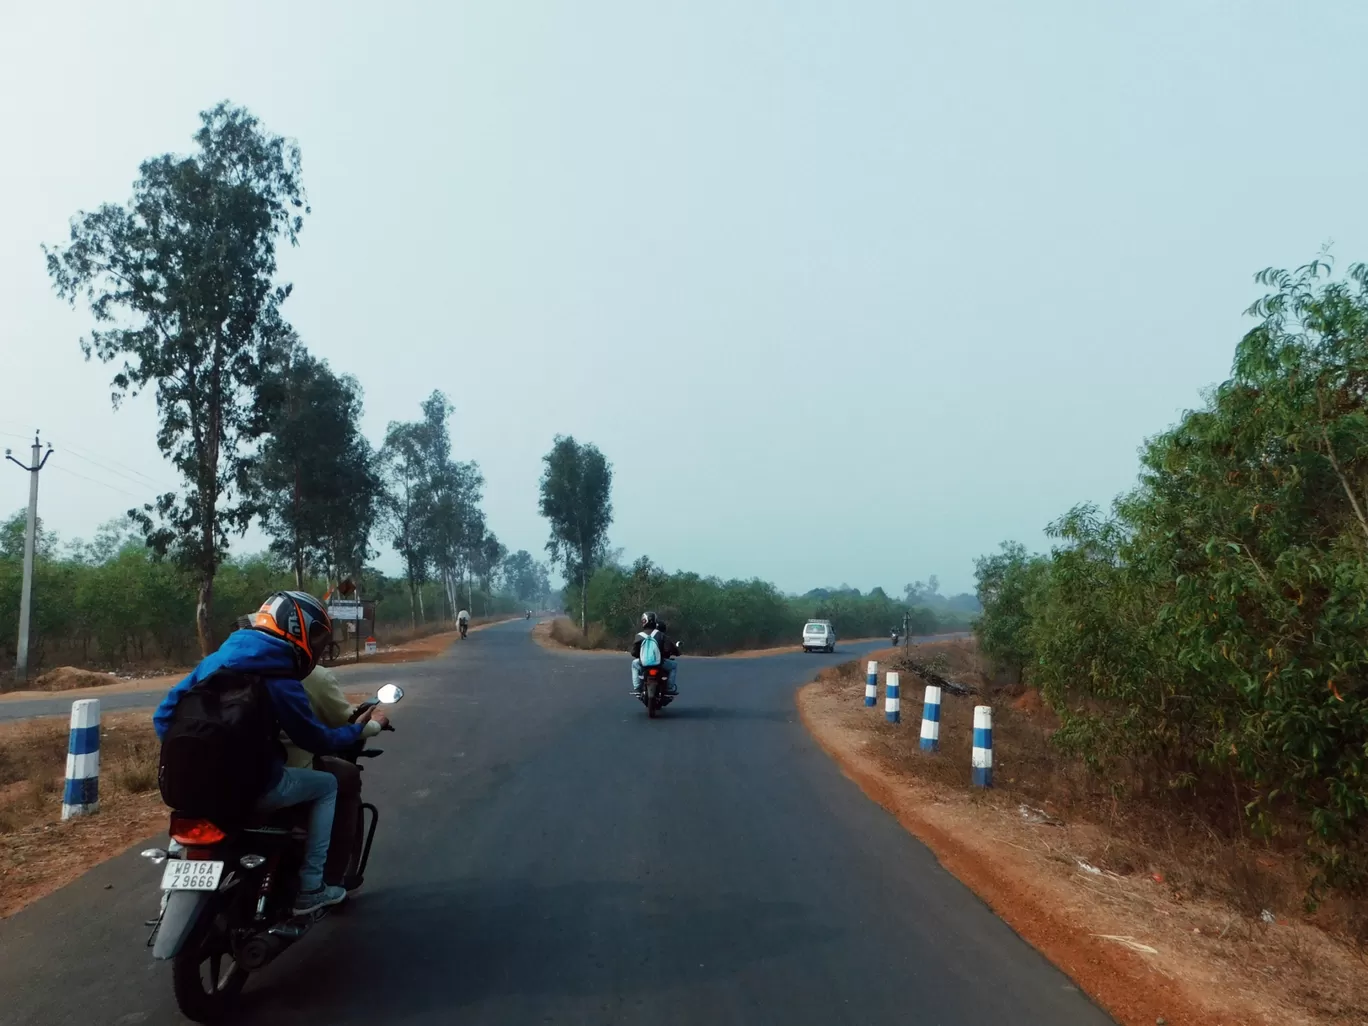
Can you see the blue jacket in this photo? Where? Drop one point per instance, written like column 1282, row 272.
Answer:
column 251, row 651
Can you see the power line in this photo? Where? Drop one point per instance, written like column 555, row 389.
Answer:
column 110, row 459
column 106, row 484
column 146, row 480
column 141, row 479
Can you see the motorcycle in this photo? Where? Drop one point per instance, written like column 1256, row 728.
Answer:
column 655, row 681
column 894, row 637
column 655, row 687
column 228, row 895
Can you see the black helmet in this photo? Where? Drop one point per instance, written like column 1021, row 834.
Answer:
column 297, row 617
column 648, row 620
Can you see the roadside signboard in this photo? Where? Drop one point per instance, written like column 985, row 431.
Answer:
column 345, row 610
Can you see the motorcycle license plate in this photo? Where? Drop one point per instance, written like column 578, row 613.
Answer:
column 191, row 875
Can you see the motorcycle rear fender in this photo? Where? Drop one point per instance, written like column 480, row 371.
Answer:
column 182, row 912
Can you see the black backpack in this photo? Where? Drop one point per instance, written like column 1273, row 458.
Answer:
column 217, row 755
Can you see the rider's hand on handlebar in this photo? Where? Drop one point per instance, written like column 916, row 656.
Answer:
column 373, row 713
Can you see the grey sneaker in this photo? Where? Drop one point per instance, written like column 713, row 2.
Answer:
column 312, row 901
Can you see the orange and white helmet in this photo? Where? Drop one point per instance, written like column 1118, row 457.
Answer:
column 297, row 617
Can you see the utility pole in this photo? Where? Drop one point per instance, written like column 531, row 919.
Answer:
column 30, row 538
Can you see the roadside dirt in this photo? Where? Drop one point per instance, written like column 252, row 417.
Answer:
column 117, row 685
column 1145, row 951
column 38, row 852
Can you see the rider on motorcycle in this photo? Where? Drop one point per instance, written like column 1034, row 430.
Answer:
column 651, row 626
column 331, row 708
column 281, row 646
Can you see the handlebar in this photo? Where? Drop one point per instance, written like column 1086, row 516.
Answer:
column 357, row 713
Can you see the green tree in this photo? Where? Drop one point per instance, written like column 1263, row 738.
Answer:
column 1211, row 634
column 525, row 577
column 433, row 507
column 12, row 531
column 316, row 472
column 1006, row 583
column 576, row 497
column 404, row 507
column 183, row 277
column 486, row 560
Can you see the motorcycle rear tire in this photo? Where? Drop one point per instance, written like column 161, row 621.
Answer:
column 208, row 942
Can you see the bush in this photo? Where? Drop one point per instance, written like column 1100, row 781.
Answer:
column 118, row 606
column 1212, row 632
column 711, row 616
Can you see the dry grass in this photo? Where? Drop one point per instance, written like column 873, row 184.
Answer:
column 33, row 763
column 39, row 852
column 1180, row 878
column 564, row 633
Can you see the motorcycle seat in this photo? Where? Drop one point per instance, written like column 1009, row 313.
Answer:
column 289, row 818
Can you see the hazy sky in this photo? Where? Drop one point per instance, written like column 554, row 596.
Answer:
column 847, row 292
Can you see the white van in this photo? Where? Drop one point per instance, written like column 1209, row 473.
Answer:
column 819, row 636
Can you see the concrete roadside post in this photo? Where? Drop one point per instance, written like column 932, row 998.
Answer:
column 892, row 698
column 872, row 683
column 983, row 746
column 82, row 794
column 930, row 731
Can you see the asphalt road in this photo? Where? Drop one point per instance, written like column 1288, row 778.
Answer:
column 547, row 854
column 354, row 678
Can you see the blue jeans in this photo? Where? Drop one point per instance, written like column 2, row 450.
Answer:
column 670, row 664
column 296, row 787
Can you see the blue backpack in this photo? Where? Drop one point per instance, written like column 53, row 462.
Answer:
column 650, row 651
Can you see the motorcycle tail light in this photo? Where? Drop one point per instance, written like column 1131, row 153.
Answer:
column 195, row 831
column 653, row 673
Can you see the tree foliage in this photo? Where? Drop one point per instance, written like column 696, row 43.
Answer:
column 113, row 603
column 714, row 616
column 1214, row 628
column 525, row 577
column 182, row 282
column 319, row 483
column 1006, row 582
column 433, row 510
column 576, row 498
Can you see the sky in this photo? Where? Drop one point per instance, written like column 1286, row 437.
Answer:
column 847, row 293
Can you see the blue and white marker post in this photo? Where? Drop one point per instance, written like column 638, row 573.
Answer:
column 82, row 795
column 983, row 746
column 930, row 734
column 892, row 698
column 872, row 683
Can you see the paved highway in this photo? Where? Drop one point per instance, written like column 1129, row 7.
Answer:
column 547, row 854
column 354, row 678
